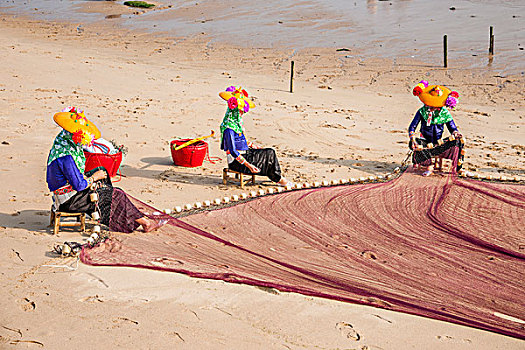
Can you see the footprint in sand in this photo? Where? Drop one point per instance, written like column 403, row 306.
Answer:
column 123, row 320
column 447, row 338
column 27, row 305
column 347, row 331
column 91, row 299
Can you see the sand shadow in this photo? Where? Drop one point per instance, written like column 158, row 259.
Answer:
column 177, row 174
column 156, row 161
column 174, row 174
column 32, row 220
column 501, row 171
column 370, row 166
column 51, row 254
column 419, row 65
column 270, row 89
column 36, row 221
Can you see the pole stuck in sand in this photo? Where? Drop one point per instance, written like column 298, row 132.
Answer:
column 491, row 40
column 291, row 77
column 445, row 45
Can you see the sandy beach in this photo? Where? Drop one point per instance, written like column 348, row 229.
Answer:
column 346, row 118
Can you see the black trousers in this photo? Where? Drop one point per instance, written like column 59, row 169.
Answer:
column 446, row 150
column 264, row 159
column 81, row 203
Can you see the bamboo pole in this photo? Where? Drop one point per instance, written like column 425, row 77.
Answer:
column 491, row 40
column 291, row 77
column 445, row 49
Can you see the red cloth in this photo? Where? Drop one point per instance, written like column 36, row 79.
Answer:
column 123, row 213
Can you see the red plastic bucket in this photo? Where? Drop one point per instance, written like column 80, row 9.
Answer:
column 189, row 156
column 109, row 161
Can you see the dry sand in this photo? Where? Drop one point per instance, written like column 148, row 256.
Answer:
column 345, row 119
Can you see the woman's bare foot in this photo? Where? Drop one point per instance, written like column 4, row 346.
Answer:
column 149, row 225
column 284, row 182
column 429, row 171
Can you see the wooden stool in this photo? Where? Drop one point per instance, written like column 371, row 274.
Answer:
column 238, row 177
column 55, row 220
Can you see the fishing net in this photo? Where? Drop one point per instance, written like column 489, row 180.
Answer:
column 443, row 247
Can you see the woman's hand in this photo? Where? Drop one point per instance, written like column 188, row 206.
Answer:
column 253, row 145
column 99, row 175
column 412, row 143
column 253, row 168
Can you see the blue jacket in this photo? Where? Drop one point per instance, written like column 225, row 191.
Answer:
column 433, row 132
column 63, row 171
column 232, row 142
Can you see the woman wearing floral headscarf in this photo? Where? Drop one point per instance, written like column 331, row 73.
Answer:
column 243, row 157
column 71, row 188
column 433, row 117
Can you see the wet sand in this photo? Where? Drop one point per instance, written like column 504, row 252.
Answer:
column 386, row 29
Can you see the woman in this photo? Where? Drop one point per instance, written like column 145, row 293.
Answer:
column 433, row 116
column 71, row 188
column 243, row 157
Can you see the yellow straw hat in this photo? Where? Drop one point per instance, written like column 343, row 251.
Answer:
column 435, row 95
column 240, row 98
column 73, row 120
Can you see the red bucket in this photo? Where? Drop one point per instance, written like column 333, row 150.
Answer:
column 189, row 156
column 109, row 161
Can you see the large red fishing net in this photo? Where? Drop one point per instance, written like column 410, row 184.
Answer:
column 443, row 247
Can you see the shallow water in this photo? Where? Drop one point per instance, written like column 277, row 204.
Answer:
column 403, row 28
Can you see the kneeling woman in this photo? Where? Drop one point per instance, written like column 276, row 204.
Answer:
column 71, row 188
column 243, row 157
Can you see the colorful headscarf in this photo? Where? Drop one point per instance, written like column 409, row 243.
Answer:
column 64, row 146
column 233, row 120
column 440, row 116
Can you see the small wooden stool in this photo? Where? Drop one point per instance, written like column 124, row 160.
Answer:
column 438, row 163
column 56, row 224
column 238, row 177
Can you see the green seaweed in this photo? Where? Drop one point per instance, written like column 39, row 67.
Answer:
column 138, row 4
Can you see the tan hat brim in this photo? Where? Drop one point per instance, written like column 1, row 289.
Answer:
column 434, row 101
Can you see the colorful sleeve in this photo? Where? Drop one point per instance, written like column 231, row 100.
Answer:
column 229, row 143
column 72, row 174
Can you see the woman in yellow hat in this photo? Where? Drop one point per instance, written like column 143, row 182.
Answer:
column 71, row 188
column 241, row 156
column 433, row 117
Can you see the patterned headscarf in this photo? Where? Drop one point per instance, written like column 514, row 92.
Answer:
column 64, row 146
column 233, row 120
column 437, row 117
